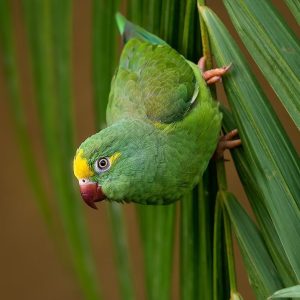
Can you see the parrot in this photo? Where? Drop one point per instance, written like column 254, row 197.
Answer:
column 163, row 126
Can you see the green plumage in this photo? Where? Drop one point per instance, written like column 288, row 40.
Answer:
column 161, row 119
column 152, row 82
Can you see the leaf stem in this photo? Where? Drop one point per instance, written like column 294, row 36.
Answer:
column 222, row 186
column 229, row 251
column 217, row 250
column 221, row 175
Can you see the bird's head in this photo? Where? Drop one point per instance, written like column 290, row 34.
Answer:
column 112, row 163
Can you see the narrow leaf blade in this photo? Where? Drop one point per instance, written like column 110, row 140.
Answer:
column 294, row 6
column 293, row 291
column 256, row 199
column 274, row 47
column 261, row 270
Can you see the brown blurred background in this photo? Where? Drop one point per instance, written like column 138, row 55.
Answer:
column 29, row 265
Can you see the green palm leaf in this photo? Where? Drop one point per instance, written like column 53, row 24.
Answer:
column 262, row 215
column 261, row 270
column 274, row 47
column 271, row 155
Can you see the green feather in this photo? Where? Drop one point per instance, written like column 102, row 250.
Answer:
column 152, row 81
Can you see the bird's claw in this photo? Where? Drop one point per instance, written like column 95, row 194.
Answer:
column 214, row 75
column 227, row 142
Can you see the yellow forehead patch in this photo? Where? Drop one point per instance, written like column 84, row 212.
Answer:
column 81, row 167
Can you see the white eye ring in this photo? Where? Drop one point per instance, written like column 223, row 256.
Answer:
column 102, row 164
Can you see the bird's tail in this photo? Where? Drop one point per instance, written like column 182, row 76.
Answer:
column 129, row 30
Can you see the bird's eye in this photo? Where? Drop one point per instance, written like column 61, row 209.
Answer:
column 102, row 164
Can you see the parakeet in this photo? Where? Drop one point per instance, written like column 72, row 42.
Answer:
column 163, row 127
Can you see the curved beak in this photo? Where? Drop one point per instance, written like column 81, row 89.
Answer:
column 91, row 192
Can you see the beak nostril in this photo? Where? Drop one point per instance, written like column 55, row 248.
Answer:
column 83, row 181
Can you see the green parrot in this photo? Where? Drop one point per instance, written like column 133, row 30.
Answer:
column 163, row 126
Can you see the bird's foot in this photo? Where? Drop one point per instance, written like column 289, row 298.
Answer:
column 214, row 75
column 227, row 142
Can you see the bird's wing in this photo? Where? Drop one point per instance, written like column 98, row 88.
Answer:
column 153, row 82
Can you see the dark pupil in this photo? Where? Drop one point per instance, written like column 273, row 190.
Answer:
column 102, row 163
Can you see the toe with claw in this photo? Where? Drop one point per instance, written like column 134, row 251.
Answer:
column 214, row 75
column 227, row 141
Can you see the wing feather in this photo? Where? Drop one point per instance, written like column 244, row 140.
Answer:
column 153, row 82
